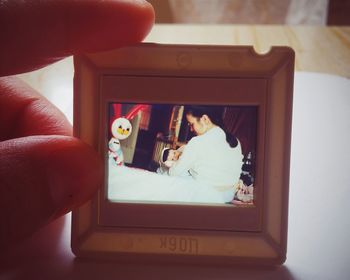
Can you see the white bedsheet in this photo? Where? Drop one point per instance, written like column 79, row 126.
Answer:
column 125, row 183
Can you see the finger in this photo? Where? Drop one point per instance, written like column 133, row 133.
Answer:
column 36, row 33
column 43, row 177
column 24, row 112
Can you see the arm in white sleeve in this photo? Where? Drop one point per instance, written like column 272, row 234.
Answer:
column 186, row 160
column 181, row 149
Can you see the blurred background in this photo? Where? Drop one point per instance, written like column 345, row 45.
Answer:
column 290, row 12
column 315, row 29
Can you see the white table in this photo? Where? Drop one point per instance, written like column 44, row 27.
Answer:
column 319, row 226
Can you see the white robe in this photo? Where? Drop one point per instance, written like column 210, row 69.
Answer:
column 214, row 166
column 210, row 159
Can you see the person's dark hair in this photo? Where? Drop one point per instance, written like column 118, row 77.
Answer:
column 215, row 114
column 165, row 154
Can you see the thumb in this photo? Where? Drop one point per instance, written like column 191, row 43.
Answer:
column 42, row 178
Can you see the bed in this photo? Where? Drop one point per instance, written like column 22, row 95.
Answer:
column 131, row 184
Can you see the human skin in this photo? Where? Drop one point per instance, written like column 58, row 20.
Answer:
column 199, row 125
column 44, row 171
column 173, row 155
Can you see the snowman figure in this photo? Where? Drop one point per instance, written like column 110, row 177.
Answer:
column 115, row 152
column 121, row 129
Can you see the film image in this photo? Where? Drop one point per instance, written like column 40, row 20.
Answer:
column 181, row 153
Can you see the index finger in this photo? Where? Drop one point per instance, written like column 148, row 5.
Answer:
column 37, row 33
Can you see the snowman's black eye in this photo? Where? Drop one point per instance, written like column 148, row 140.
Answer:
column 128, row 129
column 120, row 126
column 115, row 142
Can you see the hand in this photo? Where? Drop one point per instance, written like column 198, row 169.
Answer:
column 169, row 163
column 44, row 171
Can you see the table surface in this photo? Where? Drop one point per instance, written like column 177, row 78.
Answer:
column 319, row 186
column 318, row 48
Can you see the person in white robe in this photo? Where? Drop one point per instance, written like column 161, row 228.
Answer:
column 209, row 157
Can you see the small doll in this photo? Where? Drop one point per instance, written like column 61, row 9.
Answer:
column 115, row 152
column 121, row 129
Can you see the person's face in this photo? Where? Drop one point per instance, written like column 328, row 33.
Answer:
column 198, row 126
column 173, row 155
